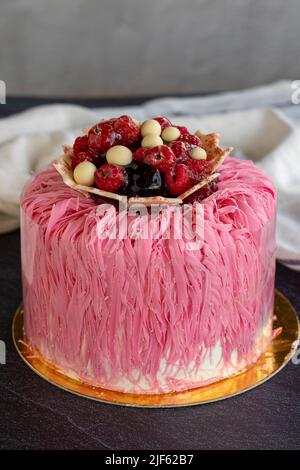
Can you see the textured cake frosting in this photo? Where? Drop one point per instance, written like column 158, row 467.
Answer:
column 149, row 315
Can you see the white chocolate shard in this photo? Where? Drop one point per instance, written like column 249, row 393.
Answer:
column 219, row 159
column 203, row 182
column 154, row 200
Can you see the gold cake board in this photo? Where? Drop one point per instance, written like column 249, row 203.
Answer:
column 278, row 354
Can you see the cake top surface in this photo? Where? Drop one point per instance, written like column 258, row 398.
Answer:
column 243, row 202
column 101, row 171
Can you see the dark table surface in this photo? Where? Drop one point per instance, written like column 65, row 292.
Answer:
column 37, row 415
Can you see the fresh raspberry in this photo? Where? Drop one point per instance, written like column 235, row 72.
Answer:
column 81, row 152
column 80, row 144
column 199, row 168
column 183, row 130
column 178, row 180
column 190, row 139
column 140, row 154
column 181, row 150
column 84, row 156
column 163, row 121
column 127, row 129
column 160, row 157
column 110, row 177
column 102, row 136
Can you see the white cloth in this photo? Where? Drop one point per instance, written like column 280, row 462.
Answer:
column 32, row 139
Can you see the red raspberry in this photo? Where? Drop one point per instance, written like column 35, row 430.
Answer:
column 102, row 136
column 110, row 177
column 183, row 129
column 199, row 168
column 163, row 121
column 81, row 152
column 190, row 139
column 127, row 129
column 140, row 154
column 160, row 157
column 178, row 180
column 84, row 156
column 80, row 144
column 181, row 150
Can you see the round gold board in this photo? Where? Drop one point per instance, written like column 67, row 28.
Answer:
column 278, row 354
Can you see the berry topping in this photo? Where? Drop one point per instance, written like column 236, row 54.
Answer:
column 163, row 121
column 110, row 177
column 191, row 139
column 160, row 157
column 181, row 150
column 122, row 130
column 119, row 155
column 81, row 144
column 178, row 180
column 144, row 181
column 153, row 158
column 81, row 152
column 102, row 136
column 182, row 130
column 127, row 129
column 199, row 169
column 140, row 154
column 84, row 156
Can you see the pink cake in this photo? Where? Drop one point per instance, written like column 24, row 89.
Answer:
column 149, row 315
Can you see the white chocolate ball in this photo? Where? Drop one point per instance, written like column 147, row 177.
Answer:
column 84, row 173
column 151, row 140
column 170, row 133
column 198, row 153
column 150, row 127
column 119, row 155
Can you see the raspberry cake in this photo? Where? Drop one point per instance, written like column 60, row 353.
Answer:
column 148, row 314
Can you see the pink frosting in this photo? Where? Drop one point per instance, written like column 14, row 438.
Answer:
column 145, row 315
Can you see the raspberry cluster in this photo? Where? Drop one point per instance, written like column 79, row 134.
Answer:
column 155, row 158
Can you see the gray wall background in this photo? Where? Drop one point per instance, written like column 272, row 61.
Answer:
column 145, row 47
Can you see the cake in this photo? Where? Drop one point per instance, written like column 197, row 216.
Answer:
column 148, row 314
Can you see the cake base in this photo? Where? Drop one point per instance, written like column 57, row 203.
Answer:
column 278, row 354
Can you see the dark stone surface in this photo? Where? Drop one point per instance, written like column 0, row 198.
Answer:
column 37, row 415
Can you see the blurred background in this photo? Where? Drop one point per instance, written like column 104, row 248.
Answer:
column 106, row 48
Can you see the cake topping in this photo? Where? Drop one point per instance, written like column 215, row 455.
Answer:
column 163, row 121
column 150, row 127
column 84, row 173
column 151, row 140
column 191, row 139
column 110, row 177
column 82, row 152
column 170, row 133
column 104, row 135
column 198, row 153
column 178, row 179
column 156, row 160
column 161, row 157
column 119, row 155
